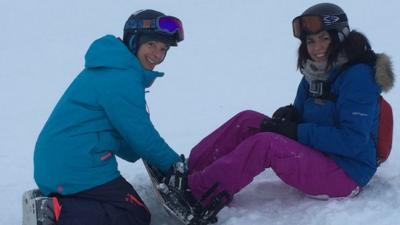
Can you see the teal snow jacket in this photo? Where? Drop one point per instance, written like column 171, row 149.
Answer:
column 101, row 115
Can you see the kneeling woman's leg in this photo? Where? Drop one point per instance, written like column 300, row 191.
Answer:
column 113, row 203
column 304, row 168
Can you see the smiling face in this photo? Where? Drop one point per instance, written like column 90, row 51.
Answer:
column 152, row 53
column 318, row 45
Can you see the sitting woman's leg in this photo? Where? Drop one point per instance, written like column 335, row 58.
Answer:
column 224, row 139
column 306, row 169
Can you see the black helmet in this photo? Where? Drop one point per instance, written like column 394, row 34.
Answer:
column 150, row 25
column 323, row 16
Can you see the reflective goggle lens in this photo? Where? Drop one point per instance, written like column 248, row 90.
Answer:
column 296, row 24
column 171, row 25
column 309, row 24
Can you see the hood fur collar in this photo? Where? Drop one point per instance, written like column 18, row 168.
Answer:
column 384, row 75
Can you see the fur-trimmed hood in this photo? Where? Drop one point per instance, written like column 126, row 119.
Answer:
column 384, row 75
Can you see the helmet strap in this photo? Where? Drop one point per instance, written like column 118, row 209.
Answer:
column 132, row 44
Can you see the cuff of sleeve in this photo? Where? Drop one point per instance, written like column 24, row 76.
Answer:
column 173, row 159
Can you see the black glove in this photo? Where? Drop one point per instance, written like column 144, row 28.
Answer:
column 286, row 113
column 284, row 127
column 177, row 175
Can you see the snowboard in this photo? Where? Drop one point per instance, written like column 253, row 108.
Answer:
column 32, row 208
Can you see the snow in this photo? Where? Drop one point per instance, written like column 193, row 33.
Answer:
column 236, row 55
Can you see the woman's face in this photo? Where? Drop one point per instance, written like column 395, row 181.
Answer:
column 152, row 53
column 317, row 46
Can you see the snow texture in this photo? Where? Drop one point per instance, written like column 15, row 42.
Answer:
column 236, row 55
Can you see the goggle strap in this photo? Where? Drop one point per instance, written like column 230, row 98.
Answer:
column 154, row 25
column 148, row 24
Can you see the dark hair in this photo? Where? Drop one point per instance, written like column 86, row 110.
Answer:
column 356, row 48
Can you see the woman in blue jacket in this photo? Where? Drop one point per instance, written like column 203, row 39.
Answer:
column 325, row 144
column 102, row 115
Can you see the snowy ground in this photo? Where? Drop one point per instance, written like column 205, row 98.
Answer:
column 237, row 55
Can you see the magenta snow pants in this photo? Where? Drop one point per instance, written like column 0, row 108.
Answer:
column 229, row 158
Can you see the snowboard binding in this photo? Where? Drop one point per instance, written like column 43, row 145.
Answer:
column 178, row 201
column 38, row 209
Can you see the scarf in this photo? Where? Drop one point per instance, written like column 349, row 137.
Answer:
column 314, row 71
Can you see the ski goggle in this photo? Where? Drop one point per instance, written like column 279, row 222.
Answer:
column 312, row 24
column 164, row 24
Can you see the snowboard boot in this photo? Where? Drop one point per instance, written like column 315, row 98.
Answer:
column 208, row 215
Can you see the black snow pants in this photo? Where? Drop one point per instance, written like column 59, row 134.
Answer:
column 113, row 203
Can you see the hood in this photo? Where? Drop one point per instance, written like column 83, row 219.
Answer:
column 384, row 75
column 110, row 52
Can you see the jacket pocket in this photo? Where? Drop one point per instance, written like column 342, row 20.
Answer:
column 107, row 145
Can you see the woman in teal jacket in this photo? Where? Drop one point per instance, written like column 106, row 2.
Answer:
column 103, row 115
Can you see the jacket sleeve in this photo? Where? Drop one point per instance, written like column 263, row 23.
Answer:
column 125, row 152
column 356, row 107
column 123, row 100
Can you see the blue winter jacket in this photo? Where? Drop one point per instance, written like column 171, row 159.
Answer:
column 345, row 129
column 101, row 115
